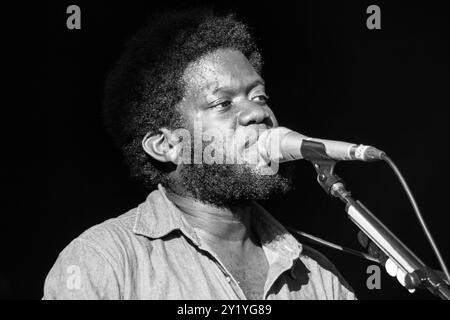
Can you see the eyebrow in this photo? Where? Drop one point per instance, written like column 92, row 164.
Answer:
column 247, row 88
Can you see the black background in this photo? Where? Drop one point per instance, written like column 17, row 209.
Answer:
column 328, row 76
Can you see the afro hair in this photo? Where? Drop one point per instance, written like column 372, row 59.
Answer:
column 145, row 85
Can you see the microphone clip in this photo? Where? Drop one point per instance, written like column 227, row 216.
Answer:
column 315, row 152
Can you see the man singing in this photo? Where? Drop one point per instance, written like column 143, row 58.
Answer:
column 200, row 234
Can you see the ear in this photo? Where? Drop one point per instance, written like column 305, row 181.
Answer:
column 161, row 146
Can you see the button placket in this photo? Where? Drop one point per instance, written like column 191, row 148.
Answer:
column 230, row 279
column 228, row 276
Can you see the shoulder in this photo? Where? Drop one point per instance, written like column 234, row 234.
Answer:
column 112, row 233
column 312, row 268
column 109, row 238
column 323, row 273
column 91, row 265
column 314, row 258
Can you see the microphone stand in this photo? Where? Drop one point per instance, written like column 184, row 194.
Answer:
column 416, row 273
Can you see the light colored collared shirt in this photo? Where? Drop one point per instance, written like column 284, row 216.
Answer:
column 152, row 252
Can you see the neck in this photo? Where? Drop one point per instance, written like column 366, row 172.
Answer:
column 213, row 223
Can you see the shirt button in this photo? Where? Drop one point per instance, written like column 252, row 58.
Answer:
column 228, row 279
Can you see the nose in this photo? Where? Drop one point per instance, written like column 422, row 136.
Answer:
column 255, row 114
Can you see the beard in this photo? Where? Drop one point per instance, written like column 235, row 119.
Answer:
column 225, row 185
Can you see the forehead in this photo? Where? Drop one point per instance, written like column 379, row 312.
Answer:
column 223, row 67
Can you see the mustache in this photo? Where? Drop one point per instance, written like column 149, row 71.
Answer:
column 221, row 146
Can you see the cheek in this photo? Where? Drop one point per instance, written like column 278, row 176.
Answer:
column 223, row 129
column 224, row 122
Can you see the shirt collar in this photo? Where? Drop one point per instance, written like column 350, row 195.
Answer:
column 158, row 216
column 273, row 235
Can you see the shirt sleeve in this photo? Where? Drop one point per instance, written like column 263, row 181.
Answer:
column 82, row 272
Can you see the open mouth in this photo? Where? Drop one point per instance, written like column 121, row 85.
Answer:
column 250, row 144
column 252, row 139
column 248, row 147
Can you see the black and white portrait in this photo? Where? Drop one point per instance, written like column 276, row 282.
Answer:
column 229, row 151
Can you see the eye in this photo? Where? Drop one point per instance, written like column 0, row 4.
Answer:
column 261, row 98
column 222, row 105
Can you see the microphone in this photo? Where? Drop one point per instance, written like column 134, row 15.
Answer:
column 281, row 144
